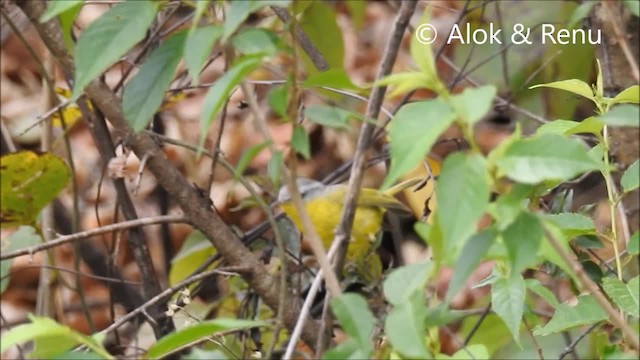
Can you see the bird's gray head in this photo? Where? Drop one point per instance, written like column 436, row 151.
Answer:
column 307, row 187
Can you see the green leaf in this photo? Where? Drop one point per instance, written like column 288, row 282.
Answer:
column 441, row 315
column 470, row 352
column 51, row 338
column 571, row 224
column 422, row 55
column 329, row 116
column 237, row 12
column 507, row 301
column 201, row 6
column 333, row 78
column 402, row 282
column 256, row 41
column 67, row 18
column 535, row 286
column 586, row 312
column 277, row 99
column 404, row 82
column 522, row 239
column 622, row 115
column 474, row 103
column 248, row 155
column 470, row 256
column 508, row 205
column 574, row 86
column 143, row 95
column 405, row 327
column 300, row 142
column 559, row 127
column 599, row 90
column 194, row 252
column 273, row 168
column 29, row 181
column 58, row 7
column 545, row 157
column 580, row 13
column 628, row 95
column 219, row 92
column 626, row 296
column 463, row 195
column 205, row 329
column 346, row 350
column 352, row 311
column 633, row 247
column 197, row 48
column 108, row 38
column 319, row 23
column 413, row 132
column 590, row 125
column 24, row 237
column 631, row 178
column 549, row 253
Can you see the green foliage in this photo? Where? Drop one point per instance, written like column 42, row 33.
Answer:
column 319, row 23
column 631, row 178
column 329, row 116
column 405, row 327
column 198, row 46
column 413, row 132
column 626, row 296
column 586, row 312
column 403, row 282
column 111, row 36
column 56, row 8
column 144, row 93
column 522, row 239
column 29, row 181
column 470, row 256
column 622, row 115
column 473, row 103
column 405, row 324
column 545, row 157
column 356, row 319
column 198, row 332
column 195, row 251
column 50, row 339
column 507, row 301
column 335, row 78
column 300, row 142
column 463, row 196
column 247, row 155
column 219, row 92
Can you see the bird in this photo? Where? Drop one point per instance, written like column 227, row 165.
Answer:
column 324, row 204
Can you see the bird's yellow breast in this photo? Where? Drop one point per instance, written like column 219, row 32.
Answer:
column 325, row 212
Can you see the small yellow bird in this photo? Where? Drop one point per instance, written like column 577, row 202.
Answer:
column 324, row 205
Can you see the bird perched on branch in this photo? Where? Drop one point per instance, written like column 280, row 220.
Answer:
column 324, row 204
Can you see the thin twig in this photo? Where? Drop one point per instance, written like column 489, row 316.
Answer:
column 306, row 306
column 170, row 291
column 476, row 326
column 571, row 347
column 587, row 284
column 316, row 57
column 343, row 231
column 88, row 233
